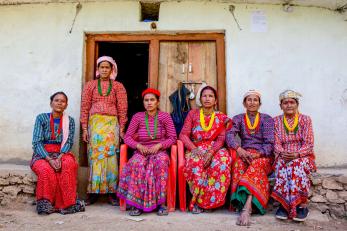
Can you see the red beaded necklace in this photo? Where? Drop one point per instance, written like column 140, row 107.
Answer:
column 51, row 121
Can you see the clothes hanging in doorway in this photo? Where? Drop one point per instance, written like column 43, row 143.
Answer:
column 180, row 105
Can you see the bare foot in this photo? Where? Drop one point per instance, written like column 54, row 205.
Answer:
column 244, row 218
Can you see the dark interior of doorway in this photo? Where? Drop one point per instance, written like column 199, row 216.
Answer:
column 132, row 62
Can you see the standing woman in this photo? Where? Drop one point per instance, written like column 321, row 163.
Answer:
column 103, row 117
column 53, row 162
column 250, row 190
column 294, row 159
column 208, row 163
column 143, row 181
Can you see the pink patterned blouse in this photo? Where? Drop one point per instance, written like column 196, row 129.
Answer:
column 301, row 142
column 137, row 132
column 115, row 104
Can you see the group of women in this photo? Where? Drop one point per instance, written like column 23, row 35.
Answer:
column 283, row 144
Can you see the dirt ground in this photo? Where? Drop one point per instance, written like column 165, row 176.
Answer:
column 102, row 216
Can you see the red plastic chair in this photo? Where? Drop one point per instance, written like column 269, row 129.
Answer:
column 171, row 186
column 182, row 180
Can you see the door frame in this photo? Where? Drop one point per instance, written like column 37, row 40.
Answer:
column 154, row 39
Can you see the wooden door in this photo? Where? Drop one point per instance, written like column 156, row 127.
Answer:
column 173, row 58
column 185, row 62
column 202, row 66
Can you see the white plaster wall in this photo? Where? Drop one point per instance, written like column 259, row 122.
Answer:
column 305, row 50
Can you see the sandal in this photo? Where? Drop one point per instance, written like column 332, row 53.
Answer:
column 91, row 199
column 162, row 211
column 197, row 210
column 113, row 200
column 78, row 207
column 135, row 212
column 45, row 207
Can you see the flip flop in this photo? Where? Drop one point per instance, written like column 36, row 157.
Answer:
column 197, row 210
column 91, row 199
column 135, row 212
column 113, row 201
column 162, row 211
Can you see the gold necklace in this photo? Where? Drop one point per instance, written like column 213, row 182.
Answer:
column 202, row 120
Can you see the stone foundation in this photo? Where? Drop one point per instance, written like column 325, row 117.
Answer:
column 17, row 184
column 328, row 193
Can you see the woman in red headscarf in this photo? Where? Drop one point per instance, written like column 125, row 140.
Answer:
column 142, row 182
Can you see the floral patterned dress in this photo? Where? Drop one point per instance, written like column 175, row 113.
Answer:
column 292, row 178
column 208, row 185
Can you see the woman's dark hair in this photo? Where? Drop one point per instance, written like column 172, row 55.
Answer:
column 156, row 96
column 244, row 100
column 58, row 93
column 209, row 88
column 105, row 61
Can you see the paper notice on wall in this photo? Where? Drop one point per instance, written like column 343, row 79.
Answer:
column 258, row 21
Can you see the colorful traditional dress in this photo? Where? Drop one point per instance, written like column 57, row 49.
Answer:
column 207, row 185
column 55, row 191
column 292, row 178
column 104, row 115
column 143, row 181
column 252, row 179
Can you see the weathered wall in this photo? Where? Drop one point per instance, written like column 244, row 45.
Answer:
column 305, row 50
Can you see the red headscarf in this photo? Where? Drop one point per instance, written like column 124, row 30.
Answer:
column 152, row 91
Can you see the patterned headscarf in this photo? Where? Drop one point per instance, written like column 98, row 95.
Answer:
column 252, row 92
column 290, row 94
column 113, row 63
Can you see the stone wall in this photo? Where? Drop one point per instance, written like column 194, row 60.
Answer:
column 329, row 194
column 17, row 184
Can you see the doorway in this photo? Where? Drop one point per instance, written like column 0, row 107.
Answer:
column 132, row 62
column 144, row 61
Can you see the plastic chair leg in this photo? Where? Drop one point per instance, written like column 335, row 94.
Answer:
column 171, row 187
column 181, row 178
column 122, row 161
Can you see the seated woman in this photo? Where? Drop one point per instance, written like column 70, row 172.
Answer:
column 208, row 164
column 143, row 181
column 250, row 186
column 294, row 158
column 53, row 163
